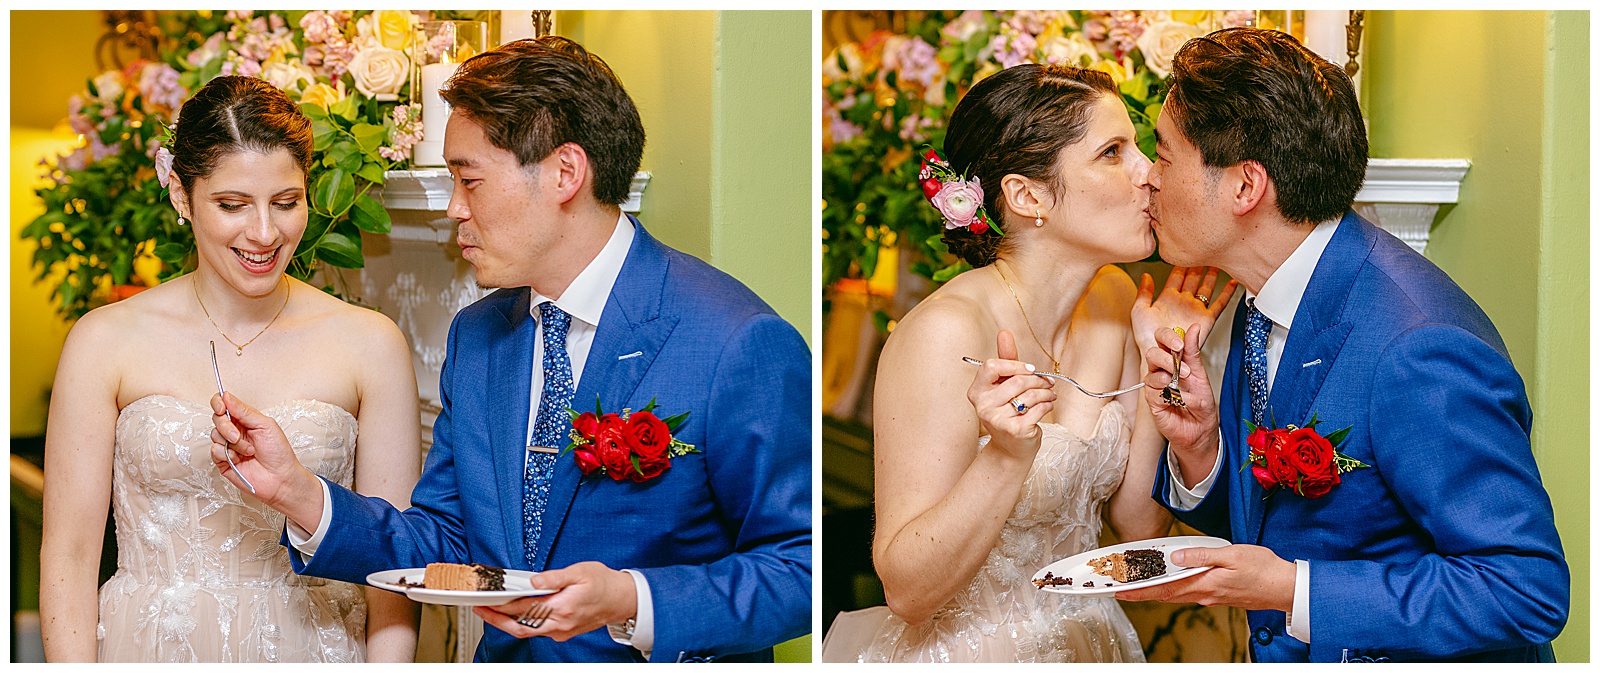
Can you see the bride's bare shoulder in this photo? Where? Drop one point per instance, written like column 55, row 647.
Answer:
column 955, row 318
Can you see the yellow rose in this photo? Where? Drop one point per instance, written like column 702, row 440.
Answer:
column 1119, row 72
column 323, row 95
column 394, row 27
column 380, row 72
column 1193, row 17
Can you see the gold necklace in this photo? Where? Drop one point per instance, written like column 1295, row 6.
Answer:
column 1054, row 363
column 238, row 348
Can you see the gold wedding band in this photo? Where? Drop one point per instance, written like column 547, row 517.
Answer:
column 1203, row 299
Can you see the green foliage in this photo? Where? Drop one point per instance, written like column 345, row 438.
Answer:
column 869, row 180
column 107, row 212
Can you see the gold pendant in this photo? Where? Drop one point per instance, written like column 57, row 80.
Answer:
column 238, row 352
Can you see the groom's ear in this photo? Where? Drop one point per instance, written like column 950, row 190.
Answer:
column 573, row 176
column 1250, row 186
column 1023, row 197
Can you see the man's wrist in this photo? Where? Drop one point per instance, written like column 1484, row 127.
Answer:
column 301, row 500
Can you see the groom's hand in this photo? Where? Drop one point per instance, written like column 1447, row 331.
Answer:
column 261, row 451
column 1242, row 575
column 1191, row 429
column 588, row 595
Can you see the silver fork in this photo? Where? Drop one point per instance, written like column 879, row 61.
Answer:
column 228, row 452
column 1075, row 384
column 535, row 615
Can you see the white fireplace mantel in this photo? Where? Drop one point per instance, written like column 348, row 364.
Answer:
column 1404, row 195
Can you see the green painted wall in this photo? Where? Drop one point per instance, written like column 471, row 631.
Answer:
column 726, row 103
column 1509, row 91
column 761, row 158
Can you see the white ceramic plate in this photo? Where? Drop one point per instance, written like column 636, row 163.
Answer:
column 1077, row 567
column 517, row 586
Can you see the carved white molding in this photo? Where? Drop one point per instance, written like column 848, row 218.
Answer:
column 1404, row 195
column 426, row 194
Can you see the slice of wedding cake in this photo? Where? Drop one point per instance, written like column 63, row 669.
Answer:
column 1131, row 566
column 464, row 577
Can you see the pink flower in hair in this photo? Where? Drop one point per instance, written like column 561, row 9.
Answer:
column 959, row 201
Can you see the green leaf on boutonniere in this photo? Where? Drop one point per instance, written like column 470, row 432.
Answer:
column 649, row 407
column 1249, row 428
column 597, row 411
column 675, row 421
column 1336, row 437
column 573, row 413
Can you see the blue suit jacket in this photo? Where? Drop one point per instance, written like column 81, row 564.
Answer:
column 723, row 536
column 1446, row 547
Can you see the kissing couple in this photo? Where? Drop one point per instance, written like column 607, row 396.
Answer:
column 1369, row 459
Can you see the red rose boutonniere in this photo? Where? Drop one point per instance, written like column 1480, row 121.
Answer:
column 1297, row 459
column 633, row 445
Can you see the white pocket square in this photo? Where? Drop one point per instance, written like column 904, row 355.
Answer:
column 1312, row 363
column 630, row 355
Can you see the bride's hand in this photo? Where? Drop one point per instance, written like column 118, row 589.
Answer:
column 1187, row 299
column 1001, row 385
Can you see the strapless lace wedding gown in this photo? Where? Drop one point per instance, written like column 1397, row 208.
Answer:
column 1001, row 616
column 200, row 574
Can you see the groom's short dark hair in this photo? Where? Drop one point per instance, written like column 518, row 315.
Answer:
column 1245, row 94
column 532, row 96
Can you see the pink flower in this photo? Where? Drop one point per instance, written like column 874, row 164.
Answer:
column 163, row 166
column 77, row 160
column 916, row 62
column 320, row 27
column 1095, row 30
column 958, row 201
column 239, row 14
column 963, row 26
column 839, row 129
column 99, row 150
column 242, row 67
column 1012, row 48
column 1235, row 18
column 911, row 128
column 210, row 50
column 1126, row 27
column 336, row 56
column 159, row 86
column 75, row 117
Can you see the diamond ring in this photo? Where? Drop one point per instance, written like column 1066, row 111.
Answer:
column 1203, row 299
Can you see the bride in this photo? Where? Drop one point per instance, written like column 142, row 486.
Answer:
column 201, row 575
column 982, row 480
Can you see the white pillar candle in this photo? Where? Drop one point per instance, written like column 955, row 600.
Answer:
column 516, row 24
column 1325, row 34
column 430, row 152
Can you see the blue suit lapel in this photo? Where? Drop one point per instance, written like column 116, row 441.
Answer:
column 512, row 357
column 1319, row 332
column 631, row 322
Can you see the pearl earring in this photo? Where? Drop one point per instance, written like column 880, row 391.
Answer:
column 180, row 221
column 1038, row 220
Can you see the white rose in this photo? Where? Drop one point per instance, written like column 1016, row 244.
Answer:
column 1069, row 50
column 291, row 75
column 1161, row 41
column 109, row 86
column 380, row 72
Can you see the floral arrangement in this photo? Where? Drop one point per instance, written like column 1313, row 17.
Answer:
column 632, row 445
column 107, row 218
column 957, row 198
column 1297, row 459
column 892, row 92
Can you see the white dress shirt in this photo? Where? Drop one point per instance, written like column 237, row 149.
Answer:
column 1278, row 301
column 584, row 300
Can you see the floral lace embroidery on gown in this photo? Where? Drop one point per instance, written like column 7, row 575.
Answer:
column 200, row 575
column 1001, row 616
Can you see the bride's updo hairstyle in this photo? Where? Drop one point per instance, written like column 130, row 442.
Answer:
column 1016, row 122
column 234, row 113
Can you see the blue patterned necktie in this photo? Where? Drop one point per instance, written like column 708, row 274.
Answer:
column 549, row 426
column 1255, row 358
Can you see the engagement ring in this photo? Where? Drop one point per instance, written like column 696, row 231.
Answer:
column 1020, row 407
column 1203, row 299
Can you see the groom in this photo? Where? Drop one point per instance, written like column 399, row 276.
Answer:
column 709, row 559
column 1444, row 547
